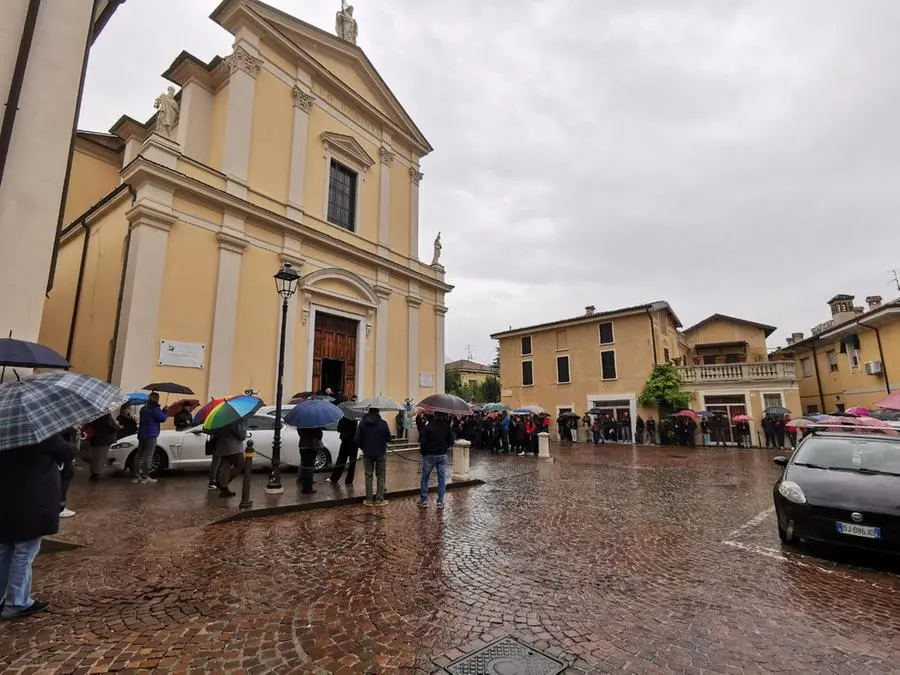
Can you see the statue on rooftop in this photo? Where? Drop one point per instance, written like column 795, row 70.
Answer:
column 437, row 250
column 167, row 118
column 345, row 25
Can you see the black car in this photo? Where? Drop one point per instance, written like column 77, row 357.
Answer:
column 841, row 488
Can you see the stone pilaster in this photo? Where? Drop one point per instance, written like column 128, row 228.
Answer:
column 439, row 358
column 413, row 304
column 386, row 157
column 231, row 249
column 244, row 65
column 415, row 178
column 303, row 102
column 381, row 340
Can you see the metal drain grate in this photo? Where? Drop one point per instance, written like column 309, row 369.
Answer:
column 506, row 656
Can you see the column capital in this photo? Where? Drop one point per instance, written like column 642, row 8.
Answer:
column 142, row 214
column 241, row 59
column 413, row 303
column 303, row 100
column 231, row 242
column 415, row 175
column 386, row 155
column 440, row 310
column 383, row 292
column 292, row 258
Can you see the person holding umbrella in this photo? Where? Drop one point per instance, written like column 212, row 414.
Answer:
column 373, row 436
column 226, row 424
column 33, row 414
column 311, row 417
column 151, row 416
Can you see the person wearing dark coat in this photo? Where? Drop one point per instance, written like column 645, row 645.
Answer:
column 434, row 446
column 346, row 429
column 372, row 436
column 30, row 495
column 103, row 433
column 310, row 442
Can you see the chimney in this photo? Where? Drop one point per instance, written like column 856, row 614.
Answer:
column 589, row 310
column 874, row 302
column 841, row 308
column 796, row 337
column 790, row 341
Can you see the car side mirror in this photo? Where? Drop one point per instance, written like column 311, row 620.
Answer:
column 780, row 461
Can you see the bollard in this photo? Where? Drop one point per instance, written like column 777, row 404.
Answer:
column 460, row 460
column 246, row 502
column 544, row 445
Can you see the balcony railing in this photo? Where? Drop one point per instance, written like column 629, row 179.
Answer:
column 763, row 371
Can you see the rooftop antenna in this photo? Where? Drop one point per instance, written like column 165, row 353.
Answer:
column 895, row 279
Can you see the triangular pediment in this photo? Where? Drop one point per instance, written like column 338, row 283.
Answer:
column 348, row 146
column 332, row 58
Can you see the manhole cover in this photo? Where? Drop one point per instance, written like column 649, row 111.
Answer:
column 506, row 656
column 366, row 518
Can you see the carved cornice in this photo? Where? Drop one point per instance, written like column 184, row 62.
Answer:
column 415, row 175
column 348, row 147
column 386, row 156
column 141, row 214
column 241, row 59
column 440, row 310
column 413, row 303
column 303, row 99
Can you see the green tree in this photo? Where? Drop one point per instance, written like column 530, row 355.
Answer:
column 663, row 390
column 490, row 390
column 453, row 383
column 495, row 364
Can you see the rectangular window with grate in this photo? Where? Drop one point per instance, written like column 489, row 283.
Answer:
column 342, row 197
column 607, row 337
column 526, row 345
column 562, row 370
column 527, row 373
column 608, row 365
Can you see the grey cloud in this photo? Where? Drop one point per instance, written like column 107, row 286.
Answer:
column 731, row 156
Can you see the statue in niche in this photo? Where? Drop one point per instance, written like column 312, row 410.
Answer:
column 345, row 25
column 437, row 250
column 167, row 117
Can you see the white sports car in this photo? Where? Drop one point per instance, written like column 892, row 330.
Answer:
column 187, row 449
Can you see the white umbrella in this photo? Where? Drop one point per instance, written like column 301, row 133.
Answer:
column 379, row 403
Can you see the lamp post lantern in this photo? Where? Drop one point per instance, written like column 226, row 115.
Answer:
column 286, row 282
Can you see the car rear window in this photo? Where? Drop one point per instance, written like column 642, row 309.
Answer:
column 850, row 453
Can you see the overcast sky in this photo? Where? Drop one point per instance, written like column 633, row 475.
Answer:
column 732, row 157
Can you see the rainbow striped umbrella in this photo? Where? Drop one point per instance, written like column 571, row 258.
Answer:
column 233, row 410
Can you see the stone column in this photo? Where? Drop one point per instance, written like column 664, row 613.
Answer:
column 244, row 64
column 544, row 445
column 35, row 170
column 384, row 200
column 413, row 304
column 440, row 312
column 381, row 340
column 415, row 177
column 460, row 461
column 303, row 101
column 231, row 249
column 137, row 343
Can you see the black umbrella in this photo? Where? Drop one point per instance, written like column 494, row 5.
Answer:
column 777, row 411
column 23, row 354
column 168, row 388
column 445, row 403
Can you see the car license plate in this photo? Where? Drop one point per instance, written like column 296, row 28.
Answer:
column 859, row 530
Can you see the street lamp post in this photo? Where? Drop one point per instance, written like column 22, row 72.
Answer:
column 286, row 282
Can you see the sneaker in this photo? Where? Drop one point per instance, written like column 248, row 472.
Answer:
column 368, row 502
column 440, row 505
column 212, row 486
column 34, row 608
column 381, row 502
column 521, row 454
column 148, row 481
column 328, row 480
column 225, row 492
column 422, row 503
column 66, row 513
column 136, row 480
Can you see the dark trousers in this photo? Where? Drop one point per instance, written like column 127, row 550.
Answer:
column 307, row 468
column 346, row 457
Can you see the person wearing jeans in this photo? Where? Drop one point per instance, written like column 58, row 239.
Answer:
column 30, row 494
column 372, row 436
column 434, row 446
column 148, row 431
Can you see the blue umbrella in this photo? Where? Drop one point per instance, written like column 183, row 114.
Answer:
column 35, row 409
column 138, row 398
column 312, row 414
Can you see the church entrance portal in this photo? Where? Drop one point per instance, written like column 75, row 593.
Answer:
column 334, row 354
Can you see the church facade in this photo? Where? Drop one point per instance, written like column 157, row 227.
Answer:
column 291, row 149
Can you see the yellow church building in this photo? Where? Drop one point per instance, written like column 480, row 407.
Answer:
column 291, row 149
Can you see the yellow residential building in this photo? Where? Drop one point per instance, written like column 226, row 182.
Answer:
column 291, row 149
column 853, row 359
column 471, row 372
column 603, row 359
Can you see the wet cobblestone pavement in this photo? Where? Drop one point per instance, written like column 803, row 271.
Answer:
column 644, row 559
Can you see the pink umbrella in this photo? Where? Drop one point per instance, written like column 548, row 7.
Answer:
column 891, row 402
column 740, row 418
column 859, row 411
column 851, row 424
column 688, row 413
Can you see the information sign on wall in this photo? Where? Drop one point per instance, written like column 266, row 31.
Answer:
column 182, row 354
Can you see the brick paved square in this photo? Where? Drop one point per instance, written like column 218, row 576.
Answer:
column 617, row 557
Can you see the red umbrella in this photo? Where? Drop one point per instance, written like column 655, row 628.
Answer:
column 741, row 418
column 891, row 402
column 688, row 413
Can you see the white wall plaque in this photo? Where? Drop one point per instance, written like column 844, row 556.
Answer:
column 506, row 393
column 426, row 380
column 182, row 354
